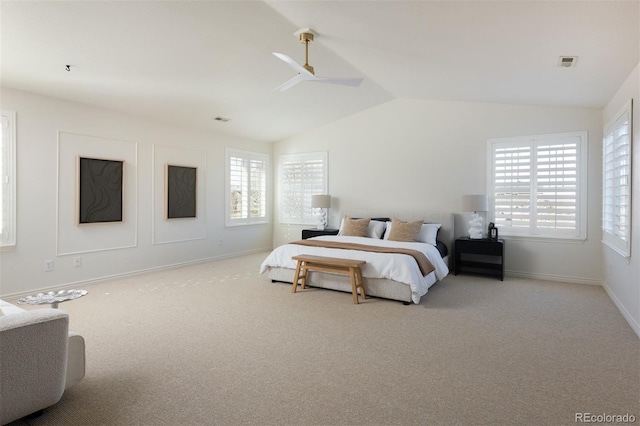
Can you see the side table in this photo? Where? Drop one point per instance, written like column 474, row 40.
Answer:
column 52, row 298
column 483, row 256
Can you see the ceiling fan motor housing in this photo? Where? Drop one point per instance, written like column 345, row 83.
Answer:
column 306, row 37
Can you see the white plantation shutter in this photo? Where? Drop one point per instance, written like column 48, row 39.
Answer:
column 557, row 185
column 301, row 176
column 258, row 185
column 246, row 194
column 7, row 178
column 534, row 185
column 616, row 183
column 512, row 186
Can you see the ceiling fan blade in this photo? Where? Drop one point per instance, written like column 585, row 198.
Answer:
column 293, row 64
column 353, row 82
column 290, row 83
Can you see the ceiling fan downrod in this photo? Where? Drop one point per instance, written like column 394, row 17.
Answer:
column 307, row 38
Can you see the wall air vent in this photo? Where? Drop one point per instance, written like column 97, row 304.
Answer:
column 567, row 61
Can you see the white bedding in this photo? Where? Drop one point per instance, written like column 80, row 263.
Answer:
column 397, row 267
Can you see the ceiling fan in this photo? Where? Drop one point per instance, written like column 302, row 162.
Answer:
column 306, row 72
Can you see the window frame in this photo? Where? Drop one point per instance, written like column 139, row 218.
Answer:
column 532, row 231
column 308, row 216
column 8, row 179
column 249, row 220
column 619, row 244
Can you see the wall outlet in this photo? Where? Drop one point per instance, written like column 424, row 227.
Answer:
column 48, row 265
column 77, row 262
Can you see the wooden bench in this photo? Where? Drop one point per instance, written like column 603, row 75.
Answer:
column 349, row 267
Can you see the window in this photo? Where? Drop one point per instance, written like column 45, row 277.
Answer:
column 537, row 185
column 616, row 183
column 246, row 193
column 301, row 176
column 8, row 176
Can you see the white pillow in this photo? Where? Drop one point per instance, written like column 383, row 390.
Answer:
column 375, row 229
column 388, row 231
column 428, row 233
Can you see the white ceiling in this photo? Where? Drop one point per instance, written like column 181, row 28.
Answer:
column 189, row 61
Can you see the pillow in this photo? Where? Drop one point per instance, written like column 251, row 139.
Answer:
column 375, row 229
column 355, row 227
column 404, row 231
column 428, row 233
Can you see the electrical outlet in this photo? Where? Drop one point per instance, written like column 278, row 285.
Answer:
column 48, row 265
column 77, row 262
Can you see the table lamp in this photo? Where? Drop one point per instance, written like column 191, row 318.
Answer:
column 321, row 202
column 475, row 203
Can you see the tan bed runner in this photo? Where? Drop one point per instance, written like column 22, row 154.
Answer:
column 423, row 263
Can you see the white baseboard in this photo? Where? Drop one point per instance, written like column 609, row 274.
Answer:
column 548, row 277
column 84, row 283
column 632, row 322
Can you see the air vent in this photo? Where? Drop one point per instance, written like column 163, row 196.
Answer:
column 223, row 119
column 568, row 61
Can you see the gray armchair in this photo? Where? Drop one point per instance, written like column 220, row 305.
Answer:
column 39, row 359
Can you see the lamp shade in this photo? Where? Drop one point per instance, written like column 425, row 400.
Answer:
column 475, row 203
column 321, row 201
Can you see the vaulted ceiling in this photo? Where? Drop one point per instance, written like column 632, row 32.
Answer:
column 187, row 62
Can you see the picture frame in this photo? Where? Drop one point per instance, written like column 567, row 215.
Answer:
column 181, row 185
column 100, row 190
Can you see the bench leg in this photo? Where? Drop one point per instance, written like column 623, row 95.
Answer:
column 303, row 277
column 354, row 285
column 296, row 277
column 361, row 282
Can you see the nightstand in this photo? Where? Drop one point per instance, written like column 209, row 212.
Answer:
column 480, row 256
column 310, row 233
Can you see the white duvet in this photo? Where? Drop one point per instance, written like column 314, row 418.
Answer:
column 397, row 267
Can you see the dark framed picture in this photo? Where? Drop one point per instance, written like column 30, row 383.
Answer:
column 100, row 190
column 181, row 192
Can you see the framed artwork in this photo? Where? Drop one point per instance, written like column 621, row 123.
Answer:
column 100, row 190
column 181, row 188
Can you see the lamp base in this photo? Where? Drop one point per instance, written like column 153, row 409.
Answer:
column 322, row 220
column 475, row 227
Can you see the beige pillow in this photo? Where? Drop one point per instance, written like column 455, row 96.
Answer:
column 355, row 227
column 404, row 231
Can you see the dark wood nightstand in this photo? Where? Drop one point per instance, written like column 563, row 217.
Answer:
column 480, row 256
column 310, row 233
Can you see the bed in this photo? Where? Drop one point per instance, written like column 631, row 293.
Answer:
column 386, row 275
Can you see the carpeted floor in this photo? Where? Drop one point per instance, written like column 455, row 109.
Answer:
column 219, row 344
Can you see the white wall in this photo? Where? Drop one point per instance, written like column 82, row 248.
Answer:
column 38, row 121
column 427, row 154
column 622, row 276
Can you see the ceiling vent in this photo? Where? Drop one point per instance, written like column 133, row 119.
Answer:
column 567, row 61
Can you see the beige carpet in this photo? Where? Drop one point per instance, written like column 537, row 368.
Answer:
column 219, row 344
